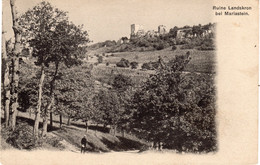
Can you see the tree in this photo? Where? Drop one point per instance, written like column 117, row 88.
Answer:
column 110, row 108
column 100, row 59
column 173, row 32
column 74, row 93
column 134, row 65
column 197, row 30
column 174, row 48
column 124, row 90
column 15, row 64
column 168, row 108
column 5, row 80
column 123, row 63
column 54, row 40
column 121, row 82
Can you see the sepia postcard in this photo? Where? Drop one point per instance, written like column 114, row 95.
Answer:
column 127, row 82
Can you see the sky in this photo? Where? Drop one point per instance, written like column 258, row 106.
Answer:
column 111, row 19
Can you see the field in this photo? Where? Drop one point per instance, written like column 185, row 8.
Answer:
column 201, row 62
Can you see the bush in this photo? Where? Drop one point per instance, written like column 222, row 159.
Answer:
column 205, row 47
column 123, row 63
column 146, row 66
column 187, row 46
column 134, row 65
column 22, row 137
column 159, row 46
column 207, row 44
column 55, row 142
column 107, row 64
column 122, row 82
column 150, row 65
column 174, row 47
column 100, row 59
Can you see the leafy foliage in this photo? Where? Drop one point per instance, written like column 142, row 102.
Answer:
column 21, row 137
column 74, row 92
column 51, row 35
column 108, row 104
column 100, row 59
column 169, row 109
column 123, row 63
column 174, row 48
column 134, row 65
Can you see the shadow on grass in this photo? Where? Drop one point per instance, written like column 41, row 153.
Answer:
column 30, row 122
column 124, row 144
column 92, row 127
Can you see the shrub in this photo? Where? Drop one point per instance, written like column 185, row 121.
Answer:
column 187, row 46
column 146, row 66
column 122, row 82
column 22, row 137
column 107, row 64
column 55, row 142
column 134, row 65
column 150, row 65
column 100, row 59
column 207, row 44
column 174, row 47
column 159, row 46
column 123, row 63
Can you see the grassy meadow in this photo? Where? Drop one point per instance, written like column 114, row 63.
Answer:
column 201, row 62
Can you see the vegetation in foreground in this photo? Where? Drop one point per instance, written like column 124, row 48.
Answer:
column 167, row 106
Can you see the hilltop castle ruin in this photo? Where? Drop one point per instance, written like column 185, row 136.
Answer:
column 138, row 31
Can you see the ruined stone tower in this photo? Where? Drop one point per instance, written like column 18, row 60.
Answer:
column 162, row 29
column 137, row 30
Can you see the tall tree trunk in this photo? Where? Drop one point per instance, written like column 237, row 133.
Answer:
column 39, row 104
column 68, row 122
column 6, row 80
column 50, row 103
column 46, row 115
column 123, row 132
column 60, row 120
column 44, row 125
column 114, row 130
column 51, row 120
column 52, row 87
column 15, row 71
column 96, row 129
column 87, row 125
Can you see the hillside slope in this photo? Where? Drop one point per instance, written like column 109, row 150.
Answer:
column 68, row 138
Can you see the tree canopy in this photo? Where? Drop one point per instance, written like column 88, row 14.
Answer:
column 169, row 109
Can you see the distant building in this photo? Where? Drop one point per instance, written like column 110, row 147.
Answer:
column 182, row 32
column 123, row 40
column 151, row 33
column 137, row 30
column 162, row 29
